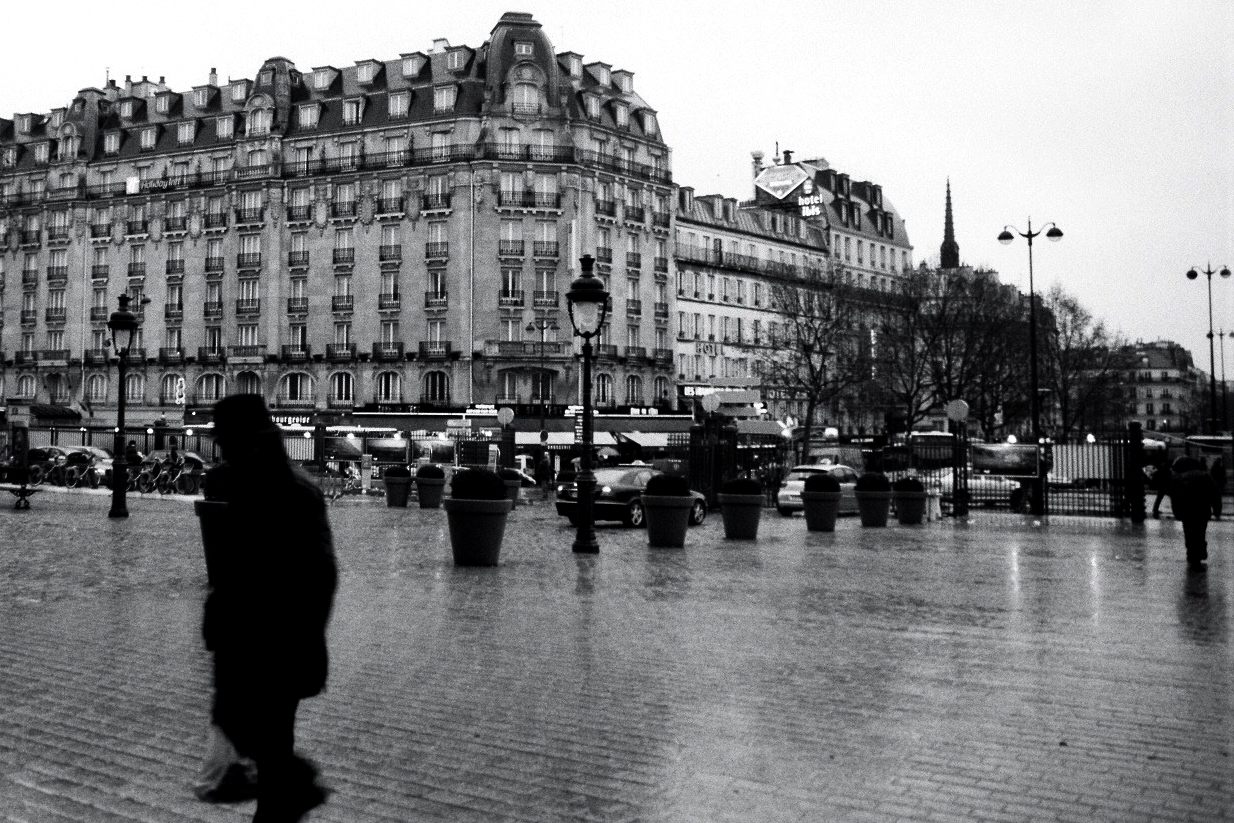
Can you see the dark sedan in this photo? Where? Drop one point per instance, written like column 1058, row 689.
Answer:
column 619, row 493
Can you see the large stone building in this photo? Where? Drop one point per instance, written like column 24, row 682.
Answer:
column 1164, row 391
column 378, row 236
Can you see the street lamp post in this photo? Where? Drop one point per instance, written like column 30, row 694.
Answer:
column 1212, row 370
column 123, row 324
column 587, row 301
column 1225, row 387
column 1055, row 234
column 543, row 325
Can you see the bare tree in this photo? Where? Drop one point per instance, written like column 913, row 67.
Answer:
column 821, row 349
column 906, row 337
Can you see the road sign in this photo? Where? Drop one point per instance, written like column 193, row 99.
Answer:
column 710, row 402
column 505, row 415
column 957, row 410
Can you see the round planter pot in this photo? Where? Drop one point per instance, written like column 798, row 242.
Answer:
column 874, row 508
column 476, row 529
column 215, row 535
column 741, row 514
column 512, row 489
column 667, row 520
column 398, row 490
column 429, row 489
column 910, row 507
column 821, row 509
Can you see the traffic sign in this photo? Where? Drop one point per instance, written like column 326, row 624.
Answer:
column 505, row 415
column 957, row 410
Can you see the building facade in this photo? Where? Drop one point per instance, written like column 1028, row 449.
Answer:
column 397, row 234
column 1164, row 391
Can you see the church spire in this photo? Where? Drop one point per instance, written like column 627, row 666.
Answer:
column 949, row 252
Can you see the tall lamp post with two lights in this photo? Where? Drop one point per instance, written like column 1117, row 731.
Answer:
column 1055, row 234
column 587, row 301
column 1212, row 366
column 123, row 325
column 1225, row 387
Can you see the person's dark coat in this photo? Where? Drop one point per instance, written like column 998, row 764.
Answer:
column 1192, row 491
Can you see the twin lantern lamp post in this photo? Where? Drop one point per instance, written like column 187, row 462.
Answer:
column 1212, row 366
column 1055, row 234
column 123, row 325
column 587, row 301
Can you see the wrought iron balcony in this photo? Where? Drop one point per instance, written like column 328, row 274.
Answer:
column 344, row 257
column 340, row 351
column 250, row 260
column 296, row 353
column 246, row 351
column 135, row 354
column 297, row 258
column 173, row 311
column 663, row 355
column 437, row 249
column 389, row 253
column 661, row 309
column 100, row 272
column 660, row 264
column 95, row 357
column 607, row 208
column 388, row 352
column 435, row 202
column 100, row 229
column 510, row 299
column 57, row 275
column 607, row 351
column 30, row 277
column 545, row 299
column 347, row 209
column 213, row 310
column 53, row 314
column 178, row 222
column 22, row 358
column 294, row 401
column 435, row 349
column 529, row 199
column 137, row 269
column 215, row 219
column 136, row 227
column 511, row 248
column 634, row 260
column 250, row 215
column 604, row 254
column 210, row 354
column 636, row 352
column 436, row 299
column 169, row 355
column 297, row 305
column 545, row 248
column 343, row 302
column 660, row 219
column 248, row 305
column 99, row 313
column 30, row 237
column 295, row 213
column 388, row 301
column 175, row 267
column 29, row 317
column 634, row 307
column 335, row 402
column 389, row 205
column 214, row 264
column 636, row 214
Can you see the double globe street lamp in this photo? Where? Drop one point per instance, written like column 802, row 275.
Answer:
column 1212, row 370
column 1053, row 233
column 123, row 325
column 587, row 302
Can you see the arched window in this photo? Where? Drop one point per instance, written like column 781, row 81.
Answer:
column 26, row 386
column 210, row 388
column 135, row 388
column 634, row 390
column 248, row 382
column 604, row 390
column 436, row 387
column 96, row 388
column 661, row 390
column 526, row 98
column 170, row 388
column 296, row 388
column 341, row 387
column 389, row 387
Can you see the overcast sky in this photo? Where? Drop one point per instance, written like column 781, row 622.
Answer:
column 1112, row 119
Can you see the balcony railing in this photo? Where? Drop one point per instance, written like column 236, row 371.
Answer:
column 608, row 208
column 435, row 202
column 57, row 275
column 529, row 199
column 389, row 205
column 525, row 348
column 347, row 209
column 441, row 249
column 215, row 219
column 511, row 248
column 250, row 260
column 53, row 314
column 22, row 358
column 389, row 253
column 606, row 350
column 510, row 299
column 636, row 214
column 297, row 305
column 294, row 401
column 168, row 355
column 100, row 272
column 99, row 313
column 136, row 354
column 299, row 212
column 297, row 258
column 634, row 307
column 661, row 309
column 544, row 299
column 604, row 254
column 246, row 351
column 634, row 260
column 173, row 311
column 178, row 222
column 388, row 301
column 660, row 219
column 545, row 248
column 336, row 402
column 248, row 305
column 95, row 357
column 636, row 352
column 387, row 352
column 436, row 299
column 340, row 351
column 296, row 353
column 29, row 317
column 100, row 229
column 137, row 269
column 30, row 237
column 214, row 264
column 136, row 227
column 210, row 354
column 435, row 349
column 175, row 267
column 212, row 310
column 343, row 302
column 30, row 277
column 663, row 355
column 660, row 264
column 250, row 215
column 344, row 257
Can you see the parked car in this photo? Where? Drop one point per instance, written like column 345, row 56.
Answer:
column 983, row 489
column 619, row 492
column 788, row 499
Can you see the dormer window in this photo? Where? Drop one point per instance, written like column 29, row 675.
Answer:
column 259, row 121
column 42, row 151
column 412, row 65
column 8, row 157
column 443, row 99
column 576, row 65
column 593, row 106
column 57, row 119
column 649, row 123
column 126, row 109
column 352, row 110
column 224, row 128
column 25, row 123
column 148, row 138
column 201, row 97
column 526, row 98
column 622, row 115
column 603, row 76
column 456, row 59
column 365, row 72
column 321, row 79
column 186, row 133
column 625, row 81
column 398, row 103
column 524, row 50
column 67, row 149
column 308, row 116
column 239, row 91
column 111, row 143
column 162, row 104
column 266, row 77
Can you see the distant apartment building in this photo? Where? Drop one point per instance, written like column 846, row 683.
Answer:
column 1164, row 391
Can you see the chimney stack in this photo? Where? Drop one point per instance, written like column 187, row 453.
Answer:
column 214, row 77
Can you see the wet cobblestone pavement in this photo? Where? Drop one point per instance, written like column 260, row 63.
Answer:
column 995, row 670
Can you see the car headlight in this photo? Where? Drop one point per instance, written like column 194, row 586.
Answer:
column 606, row 490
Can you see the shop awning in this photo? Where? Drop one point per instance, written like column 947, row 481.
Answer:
column 646, row 440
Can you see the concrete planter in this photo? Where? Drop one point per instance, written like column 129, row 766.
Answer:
column 821, row 509
column 429, row 490
column 874, row 508
column 398, row 491
column 741, row 514
column 476, row 529
column 668, row 518
column 910, row 507
column 512, row 490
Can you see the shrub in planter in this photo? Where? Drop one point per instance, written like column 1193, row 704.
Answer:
column 476, row 513
column 873, row 499
column 741, row 507
column 430, row 481
column 397, row 480
column 820, row 499
column 666, row 502
column 513, row 481
column 910, row 501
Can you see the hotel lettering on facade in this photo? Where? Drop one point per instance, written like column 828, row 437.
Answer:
column 373, row 237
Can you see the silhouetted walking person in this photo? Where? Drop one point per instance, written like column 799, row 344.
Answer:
column 269, row 603
column 1191, row 497
column 1217, row 470
column 1161, row 482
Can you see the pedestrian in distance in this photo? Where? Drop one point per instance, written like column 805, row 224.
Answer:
column 269, row 604
column 1162, row 480
column 1217, row 470
column 1192, row 498
column 544, row 475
